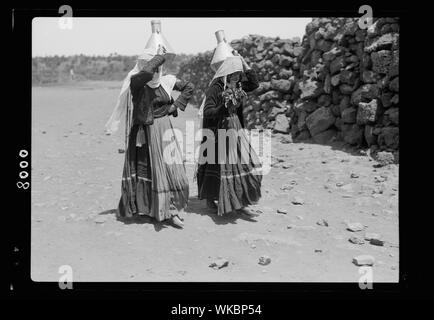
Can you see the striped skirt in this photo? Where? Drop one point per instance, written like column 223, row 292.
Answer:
column 235, row 184
column 154, row 178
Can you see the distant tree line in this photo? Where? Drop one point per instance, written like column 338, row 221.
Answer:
column 57, row 69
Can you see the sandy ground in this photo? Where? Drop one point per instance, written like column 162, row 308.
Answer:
column 76, row 171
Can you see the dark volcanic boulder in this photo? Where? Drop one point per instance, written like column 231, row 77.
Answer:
column 310, row 89
column 352, row 133
column 389, row 137
column 320, row 120
column 281, row 85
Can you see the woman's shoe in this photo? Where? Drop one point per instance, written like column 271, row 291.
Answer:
column 177, row 222
column 247, row 212
column 211, row 204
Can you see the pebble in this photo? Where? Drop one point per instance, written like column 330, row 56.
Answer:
column 377, row 242
column 297, row 201
column 355, row 226
column 354, row 175
column 282, row 211
column 318, row 250
column 264, row 260
column 219, row 263
column 100, row 220
column 286, row 187
column 364, row 260
column 323, row 223
column 121, row 151
column 356, row 240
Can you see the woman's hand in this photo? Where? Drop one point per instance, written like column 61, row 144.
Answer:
column 172, row 109
column 161, row 50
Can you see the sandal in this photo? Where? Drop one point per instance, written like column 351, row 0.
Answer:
column 177, row 221
column 247, row 212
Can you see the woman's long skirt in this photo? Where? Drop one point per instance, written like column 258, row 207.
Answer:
column 234, row 184
column 154, row 175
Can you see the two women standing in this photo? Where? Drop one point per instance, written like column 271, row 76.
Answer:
column 150, row 185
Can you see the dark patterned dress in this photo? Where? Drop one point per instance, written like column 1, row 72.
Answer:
column 151, row 185
column 234, row 185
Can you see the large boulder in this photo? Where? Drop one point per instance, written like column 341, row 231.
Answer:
column 389, row 137
column 393, row 115
column 310, row 89
column 274, row 111
column 281, row 124
column 382, row 61
column 281, row 85
column 347, row 76
column 369, row 76
column 365, row 93
column 331, row 54
column 308, row 106
column 352, row 133
column 325, row 136
column 263, row 87
column 320, row 120
column 337, row 64
column 385, row 42
column 349, row 115
column 367, row 111
column 270, row 95
column 344, row 103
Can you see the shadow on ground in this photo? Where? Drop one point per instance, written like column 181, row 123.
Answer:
column 197, row 206
column 138, row 219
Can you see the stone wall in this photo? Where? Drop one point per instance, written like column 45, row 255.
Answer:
column 340, row 83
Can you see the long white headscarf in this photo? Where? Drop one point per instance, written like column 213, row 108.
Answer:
column 124, row 102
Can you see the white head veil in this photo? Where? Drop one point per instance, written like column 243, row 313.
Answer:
column 124, row 102
column 229, row 66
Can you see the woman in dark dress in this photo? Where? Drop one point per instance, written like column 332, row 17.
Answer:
column 235, row 185
column 151, row 185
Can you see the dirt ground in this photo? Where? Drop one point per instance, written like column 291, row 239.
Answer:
column 76, row 172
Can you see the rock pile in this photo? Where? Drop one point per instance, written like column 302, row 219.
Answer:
column 348, row 85
column 341, row 82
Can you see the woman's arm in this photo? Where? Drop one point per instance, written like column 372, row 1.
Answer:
column 186, row 88
column 145, row 75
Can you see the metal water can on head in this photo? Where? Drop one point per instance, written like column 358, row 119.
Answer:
column 222, row 51
column 157, row 38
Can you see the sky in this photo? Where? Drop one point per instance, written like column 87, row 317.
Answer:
column 128, row 36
